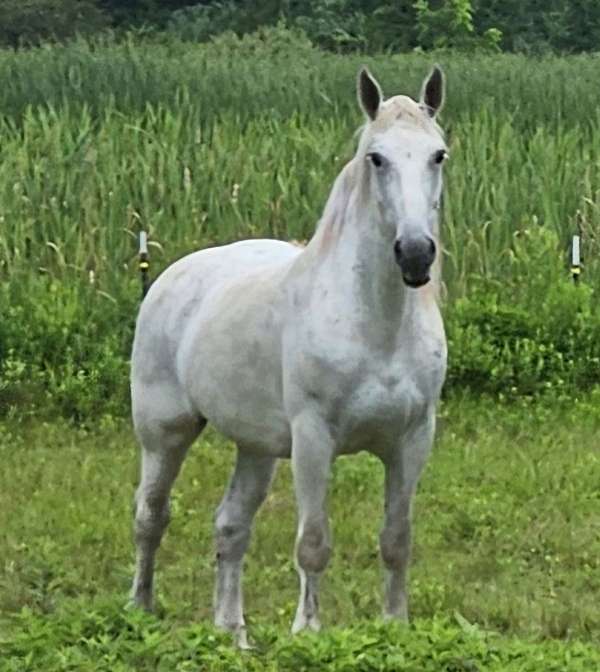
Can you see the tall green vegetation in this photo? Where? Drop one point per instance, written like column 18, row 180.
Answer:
column 242, row 137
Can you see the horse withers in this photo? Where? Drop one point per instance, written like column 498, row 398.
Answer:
column 304, row 354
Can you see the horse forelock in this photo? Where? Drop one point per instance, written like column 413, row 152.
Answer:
column 401, row 110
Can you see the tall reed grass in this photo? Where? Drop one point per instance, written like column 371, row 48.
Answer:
column 75, row 188
column 279, row 74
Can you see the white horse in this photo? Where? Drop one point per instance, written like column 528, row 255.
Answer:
column 304, row 353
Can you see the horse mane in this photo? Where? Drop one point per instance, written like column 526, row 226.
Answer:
column 330, row 224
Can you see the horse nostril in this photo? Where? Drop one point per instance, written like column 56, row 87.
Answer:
column 398, row 250
column 431, row 247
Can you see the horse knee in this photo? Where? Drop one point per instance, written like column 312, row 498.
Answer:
column 232, row 536
column 152, row 515
column 314, row 548
column 395, row 547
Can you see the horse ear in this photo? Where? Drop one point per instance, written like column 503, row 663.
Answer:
column 432, row 91
column 369, row 93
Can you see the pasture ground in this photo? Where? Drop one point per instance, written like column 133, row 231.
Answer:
column 506, row 563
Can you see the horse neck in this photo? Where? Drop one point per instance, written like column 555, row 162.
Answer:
column 350, row 254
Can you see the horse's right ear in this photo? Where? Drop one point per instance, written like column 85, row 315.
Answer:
column 369, row 93
column 433, row 90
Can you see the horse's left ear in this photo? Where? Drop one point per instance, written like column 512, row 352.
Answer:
column 433, row 90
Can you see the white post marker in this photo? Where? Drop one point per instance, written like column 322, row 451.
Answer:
column 144, row 262
column 143, row 242
column 576, row 258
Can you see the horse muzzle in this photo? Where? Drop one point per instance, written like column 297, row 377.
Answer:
column 415, row 257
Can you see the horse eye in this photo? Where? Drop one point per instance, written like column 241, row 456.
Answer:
column 440, row 156
column 376, row 159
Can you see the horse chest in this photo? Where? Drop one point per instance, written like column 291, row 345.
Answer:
column 377, row 410
column 370, row 400
column 382, row 390
column 384, row 394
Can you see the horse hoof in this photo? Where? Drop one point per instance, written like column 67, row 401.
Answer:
column 302, row 622
column 241, row 640
column 238, row 633
column 400, row 616
column 139, row 603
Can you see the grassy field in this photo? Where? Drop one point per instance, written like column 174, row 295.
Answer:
column 507, row 540
column 101, row 140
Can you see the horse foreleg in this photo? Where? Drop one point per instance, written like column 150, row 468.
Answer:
column 402, row 470
column 233, row 521
column 312, row 454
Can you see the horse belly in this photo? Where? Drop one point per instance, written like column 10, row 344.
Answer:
column 246, row 407
column 233, row 371
column 269, row 435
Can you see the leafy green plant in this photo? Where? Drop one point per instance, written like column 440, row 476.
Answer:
column 29, row 22
column 202, row 21
column 533, row 332
column 105, row 638
column 451, row 25
column 333, row 25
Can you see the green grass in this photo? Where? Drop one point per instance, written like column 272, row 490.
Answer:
column 278, row 74
column 507, row 541
column 75, row 191
column 91, row 154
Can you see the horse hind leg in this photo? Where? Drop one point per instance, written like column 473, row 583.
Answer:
column 233, row 521
column 164, row 447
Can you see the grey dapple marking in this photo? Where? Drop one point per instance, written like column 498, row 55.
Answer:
column 304, row 353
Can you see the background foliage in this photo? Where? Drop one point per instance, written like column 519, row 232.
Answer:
column 365, row 25
column 102, row 138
